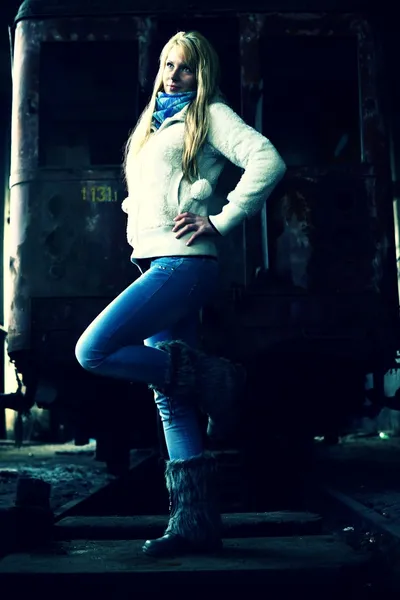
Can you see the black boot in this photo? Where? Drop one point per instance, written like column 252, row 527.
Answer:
column 214, row 383
column 195, row 520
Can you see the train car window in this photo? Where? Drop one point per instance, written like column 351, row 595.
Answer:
column 311, row 102
column 88, row 102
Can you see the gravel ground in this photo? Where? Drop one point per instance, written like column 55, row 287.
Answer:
column 368, row 469
column 71, row 470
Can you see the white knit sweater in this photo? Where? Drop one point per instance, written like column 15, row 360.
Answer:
column 157, row 191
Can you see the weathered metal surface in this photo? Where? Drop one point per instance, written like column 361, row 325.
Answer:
column 25, row 126
column 29, row 36
column 48, row 8
column 330, row 228
column 60, row 213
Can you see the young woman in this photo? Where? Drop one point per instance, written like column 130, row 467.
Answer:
column 148, row 333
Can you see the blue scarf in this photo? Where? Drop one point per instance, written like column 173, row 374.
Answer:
column 167, row 105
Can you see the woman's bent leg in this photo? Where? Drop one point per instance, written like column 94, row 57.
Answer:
column 112, row 345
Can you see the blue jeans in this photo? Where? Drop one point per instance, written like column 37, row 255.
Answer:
column 162, row 304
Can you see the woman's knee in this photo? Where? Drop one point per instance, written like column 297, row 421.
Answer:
column 83, row 354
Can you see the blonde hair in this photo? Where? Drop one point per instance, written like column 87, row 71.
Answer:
column 203, row 60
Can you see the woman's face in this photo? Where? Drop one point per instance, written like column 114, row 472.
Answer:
column 177, row 76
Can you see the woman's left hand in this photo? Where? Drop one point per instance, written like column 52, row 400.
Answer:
column 186, row 222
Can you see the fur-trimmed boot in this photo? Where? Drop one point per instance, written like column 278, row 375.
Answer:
column 195, row 521
column 214, row 383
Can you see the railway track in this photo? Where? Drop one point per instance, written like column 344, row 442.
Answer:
column 321, row 542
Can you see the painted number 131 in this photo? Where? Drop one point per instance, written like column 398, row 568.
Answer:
column 99, row 193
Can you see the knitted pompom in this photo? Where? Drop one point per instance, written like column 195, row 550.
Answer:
column 201, row 189
column 125, row 204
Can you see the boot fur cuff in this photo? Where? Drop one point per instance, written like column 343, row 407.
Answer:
column 181, row 376
column 201, row 461
column 193, row 491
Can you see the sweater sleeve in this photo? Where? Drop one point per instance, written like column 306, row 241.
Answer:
column 246, row 148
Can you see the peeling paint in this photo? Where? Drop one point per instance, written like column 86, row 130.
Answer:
column 91, row 222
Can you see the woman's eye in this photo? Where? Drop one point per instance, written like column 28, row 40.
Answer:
column 170, row 65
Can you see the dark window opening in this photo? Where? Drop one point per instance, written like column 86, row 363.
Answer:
column 88, row 102
column 311, row 98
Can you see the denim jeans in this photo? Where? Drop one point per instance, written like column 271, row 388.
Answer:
column 161, row 305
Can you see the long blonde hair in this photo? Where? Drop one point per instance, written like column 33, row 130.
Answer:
column 203, row 60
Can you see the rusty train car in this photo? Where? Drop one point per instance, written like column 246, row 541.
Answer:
column 308, row 297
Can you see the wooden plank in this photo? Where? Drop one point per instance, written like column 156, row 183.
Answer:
column 274, row 562
column 382, row 531
column 280, row 523
column 365, row 514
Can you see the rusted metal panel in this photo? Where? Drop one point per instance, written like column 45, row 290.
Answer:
column 331, row 257
column 48, row 8
column 25, row 126
column 374, row 159
column 66, row 224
